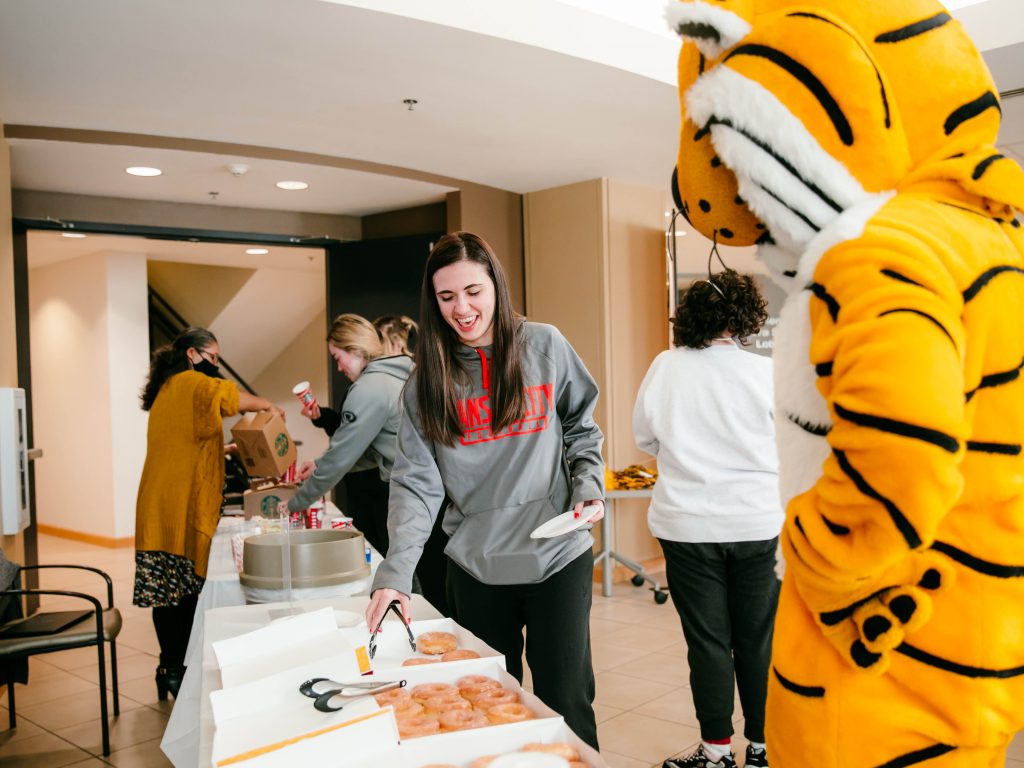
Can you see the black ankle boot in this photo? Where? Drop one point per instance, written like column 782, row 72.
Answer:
column 168, row 680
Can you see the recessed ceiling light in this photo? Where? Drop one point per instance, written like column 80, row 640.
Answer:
column 142, row 170
column 71, row 234
column 292, row 185
column 256, row 251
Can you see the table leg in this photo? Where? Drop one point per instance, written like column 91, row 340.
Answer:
column 606, row 552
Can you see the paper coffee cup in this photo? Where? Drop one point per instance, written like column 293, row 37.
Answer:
column 305, row 394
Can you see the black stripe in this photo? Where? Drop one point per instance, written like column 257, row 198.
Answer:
column 790, row 273
column 835, row 528
column 815, row 429
column 996, row 380
column 986, row 277
column 1003, row 449
column 902, row 278
column 878, row 75
column 971, row 109
column 700, row 65
column 925, row 315
column 918, row 755
column 955, row 667
column 968, row 210
column 811, row 691
column 977, row 564
column 698, row 31
column 823, row 369
column 791, row 209
column 833, row 306
column 898, row 518
column 980, row 168
column 775, row 156
column 915, row 29
column 809, row 81
column 892, row 426
column 831, row 618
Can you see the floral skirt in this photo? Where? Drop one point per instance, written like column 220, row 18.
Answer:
column 163, row 579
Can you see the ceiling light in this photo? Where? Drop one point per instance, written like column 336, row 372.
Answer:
column 143, row 170
column 71, row 234
column 256, row 251
column 292, row 185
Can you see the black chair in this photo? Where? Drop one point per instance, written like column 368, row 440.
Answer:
column 21, row 638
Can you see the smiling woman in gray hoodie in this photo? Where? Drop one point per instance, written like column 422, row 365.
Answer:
column 499, row 415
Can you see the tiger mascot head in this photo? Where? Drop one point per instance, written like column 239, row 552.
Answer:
column 793, row 112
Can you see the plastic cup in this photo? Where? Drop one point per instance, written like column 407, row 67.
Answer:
column 305, row 394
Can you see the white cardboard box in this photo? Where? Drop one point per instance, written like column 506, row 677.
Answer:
column 393, row 643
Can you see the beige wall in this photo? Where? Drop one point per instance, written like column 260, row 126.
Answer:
column 90, row 351
column 13, row 546
column 198, row 292
column 304, row 359
column 595, row 267
column 497, row 216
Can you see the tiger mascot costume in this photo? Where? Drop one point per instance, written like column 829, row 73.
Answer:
column 853, row 140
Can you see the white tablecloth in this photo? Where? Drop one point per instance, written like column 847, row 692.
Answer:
column 222, row 590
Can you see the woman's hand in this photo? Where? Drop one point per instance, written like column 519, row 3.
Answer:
column 578, row 509
column 379, row 602
column 282, row 509
column 231, row 448
column 277, row 410
column 305, row 470
column 311, row 411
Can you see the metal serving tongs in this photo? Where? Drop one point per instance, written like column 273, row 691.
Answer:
column 331, row 695
column 394, row 605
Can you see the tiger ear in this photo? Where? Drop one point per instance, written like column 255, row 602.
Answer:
column 712, row 28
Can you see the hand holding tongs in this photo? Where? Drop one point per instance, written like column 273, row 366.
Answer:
column 325, row 691
column 392, row 606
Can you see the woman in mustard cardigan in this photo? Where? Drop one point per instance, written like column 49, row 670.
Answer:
column 180, row 492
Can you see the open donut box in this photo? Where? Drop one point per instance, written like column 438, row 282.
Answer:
column 393, row 644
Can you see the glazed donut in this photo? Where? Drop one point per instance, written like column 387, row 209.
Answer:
column 473, row 691
column 559, row 748
column 470, row 679
column 413, row 661
column 425, row 691
column 495, row 698
column 461, row 720
column 509, row 713
column 578, row 764
column 483, row 762
column 410, row 708
column 435, row 705
column 414, row 727
column 459, row 654
column 396, row 697
column 436, row 643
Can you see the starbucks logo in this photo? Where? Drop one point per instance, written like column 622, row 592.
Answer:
column 281, row 444
column 268, row 507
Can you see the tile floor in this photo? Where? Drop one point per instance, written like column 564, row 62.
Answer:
column 644, row 709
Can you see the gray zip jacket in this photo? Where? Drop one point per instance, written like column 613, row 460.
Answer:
column 500, row 486
column 368, row 434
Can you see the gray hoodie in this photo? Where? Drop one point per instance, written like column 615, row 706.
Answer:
column 368, row 433
column 500, row 487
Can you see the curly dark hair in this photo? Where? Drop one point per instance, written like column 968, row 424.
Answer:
column 728, row 301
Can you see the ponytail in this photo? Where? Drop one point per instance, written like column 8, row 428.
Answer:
column 171, row 359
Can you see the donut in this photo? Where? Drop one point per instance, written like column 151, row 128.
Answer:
column 435, row 705
column 459, row 654
column 470, row 679
column 395, row 697
column 427, row 690
column 436, row 643
column 509, row 713
column 559, row 748
column 405, row 710
column 483, row 762
column 495, row 698
column 461, row 720
column 414, row 727
column 413, row 661
column 473, row 691
column 578, row 764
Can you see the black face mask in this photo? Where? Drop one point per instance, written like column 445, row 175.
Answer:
column 208, row 368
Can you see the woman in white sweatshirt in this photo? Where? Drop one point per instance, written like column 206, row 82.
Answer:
column 705, row 410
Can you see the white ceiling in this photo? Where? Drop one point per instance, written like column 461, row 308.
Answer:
column 520, row 96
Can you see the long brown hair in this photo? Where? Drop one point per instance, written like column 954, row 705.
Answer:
column 440, row 375
column 171, row 359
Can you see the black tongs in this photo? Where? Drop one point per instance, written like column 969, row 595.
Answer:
column 395, row 606
column 332, row 696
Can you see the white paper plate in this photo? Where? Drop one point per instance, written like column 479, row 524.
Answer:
column 565, row 523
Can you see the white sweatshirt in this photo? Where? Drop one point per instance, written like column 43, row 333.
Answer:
column 706, row 414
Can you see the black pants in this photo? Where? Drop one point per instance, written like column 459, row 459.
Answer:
column 726, row 596
column 432, row 569
column 173, row 624
column 556, row 616
column 367, row 504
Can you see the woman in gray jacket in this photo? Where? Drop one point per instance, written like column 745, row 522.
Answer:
column 499, row 416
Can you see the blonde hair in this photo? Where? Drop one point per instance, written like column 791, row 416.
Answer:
column 357, row 335
column 398, row 333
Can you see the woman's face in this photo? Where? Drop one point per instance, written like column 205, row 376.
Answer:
column 349, row 363
column 465, row 296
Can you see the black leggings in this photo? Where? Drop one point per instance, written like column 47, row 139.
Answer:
column 173, row 625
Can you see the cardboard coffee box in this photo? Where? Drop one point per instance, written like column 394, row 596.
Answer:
column 264, row 445
column 262, row 502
